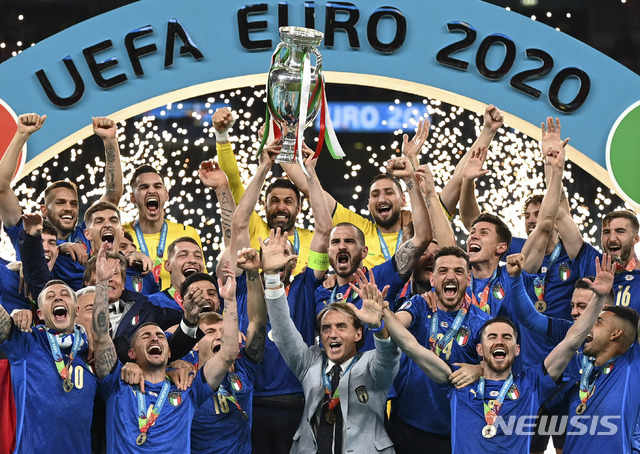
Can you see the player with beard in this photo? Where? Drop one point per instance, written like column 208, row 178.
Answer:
column 152, row 233
column 184, row 258
column 347, row 250
column 160, row 418
column 451, row 332
column 279, row 401
column 60, row 206
column 282, row 199
column 479, row 411
column 50, row 375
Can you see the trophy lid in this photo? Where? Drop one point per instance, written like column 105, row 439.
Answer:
column 301, row 35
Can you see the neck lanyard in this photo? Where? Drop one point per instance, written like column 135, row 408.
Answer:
column 176, row 296
column 630, row 266
column 586, row 390
column 539, row 281
column 296, row 241
column 383, row 244
column 491, row 412
column 484, row 298
column 144, row 422
column 157, row 269
column 234, row 381
column 344, row 298
column 334, row 399
column 63, row 369
column 436, row 345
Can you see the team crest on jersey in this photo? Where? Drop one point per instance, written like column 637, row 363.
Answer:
column 175, row 398
column 137, row 283
column 628, row 277
column 498, row 291
column 564, row 272
column 463, row 336
column 135, row 319
column 363, row 395
column 236, row 384
column 406, row 305
column 513, row 392
column 607, row 369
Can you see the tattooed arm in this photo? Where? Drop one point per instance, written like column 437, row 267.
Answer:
column 408, row 254
column 212, row 176
column 249, row 261
column 104, row 351
column 216, row 368
column 105, row 128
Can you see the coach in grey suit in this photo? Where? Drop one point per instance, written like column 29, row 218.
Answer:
column 365, row 378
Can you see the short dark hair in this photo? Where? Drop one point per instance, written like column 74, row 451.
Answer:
column 135, row 334
column 627, row 314
column 128, row 236
column 626, row 214
column 283, row 183
column 183, row 239
column 90, row 267
column 144, row 168
column 581, row 284
column 386, row 176
column 499, row 319
column 99, row 206
column 535, row 199
column 451, row 250
column 47, row 227
column 344, row 310
column 197, row 277
column 60, row 184
column 503, row 232
column 359, row 233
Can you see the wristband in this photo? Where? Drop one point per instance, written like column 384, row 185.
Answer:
column 318, row 261
column 272, row 280
column 221, row 136
column 379, row 328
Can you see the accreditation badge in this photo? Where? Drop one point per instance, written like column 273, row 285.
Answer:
column 362, row 394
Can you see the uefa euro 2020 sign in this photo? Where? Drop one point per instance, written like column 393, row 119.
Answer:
column 466, row 53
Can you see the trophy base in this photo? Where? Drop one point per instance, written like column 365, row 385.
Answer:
column 287, row 154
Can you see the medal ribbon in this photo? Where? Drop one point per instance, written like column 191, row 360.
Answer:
column 539, row 282
column 63, row 369
column 161, row 245
column 296, row 241
column 143, row 422
column 335, row 399
column 630, row 266
column 437, row 346
column 176, row 296
column 383, row 244
column 491, row 413
column 485, row 294
column 588, row 364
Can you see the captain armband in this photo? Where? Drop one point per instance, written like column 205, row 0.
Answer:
column 318, row 261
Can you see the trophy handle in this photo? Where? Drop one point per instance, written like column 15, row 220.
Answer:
column 318, row 55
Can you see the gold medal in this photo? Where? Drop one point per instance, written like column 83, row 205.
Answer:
column 67, row 385
column 541, row 306
column 489, row 431
column 581, row 408
column 141, row 439
column 330, row 417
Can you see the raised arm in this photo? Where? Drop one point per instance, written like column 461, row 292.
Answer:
column 216, row 368
column 534, row 248
column 450, row 194
column 35, row 269
column 473, row 169
column 522, row 306
column 410, row 251
column 323, row 223
column 557, row 360
column 213, row 177
column 411, row 148
column 104, row 352
column 105, row 128
column 10, row 210
column 441, row 227
column 249, row 261
column 223, row 120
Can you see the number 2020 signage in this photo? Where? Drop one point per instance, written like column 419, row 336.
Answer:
column 153, row 52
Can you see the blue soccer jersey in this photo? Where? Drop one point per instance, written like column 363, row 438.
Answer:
column 384, row 274
column 417, row 392
column 519, row 409
column 219, row 425
column 164, row 300
column 47, row 416
column 170, row 432
column 612, row 409
column 498, row 292
column 68, row 269
column 145, row 284
column 516, row 246
column 10, row 296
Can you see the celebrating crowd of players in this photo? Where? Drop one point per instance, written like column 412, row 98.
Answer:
column 358, row 336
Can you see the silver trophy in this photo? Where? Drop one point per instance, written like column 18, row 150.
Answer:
column 285, row 84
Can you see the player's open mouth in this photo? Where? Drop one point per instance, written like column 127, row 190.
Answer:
column 335, row 346
column 216, row 348
column 474, row 248
column 59, row 312
column 206, row 309
column 499, row 353
column 154, row 349
column 450, row 290
column 153, row 204
column 384, row 208
column 589, row 339
column 108, row 237
column 343, row 258
column 189, row 271
column 66, row 217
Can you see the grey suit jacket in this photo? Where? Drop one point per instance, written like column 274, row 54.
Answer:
column 363, row 389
